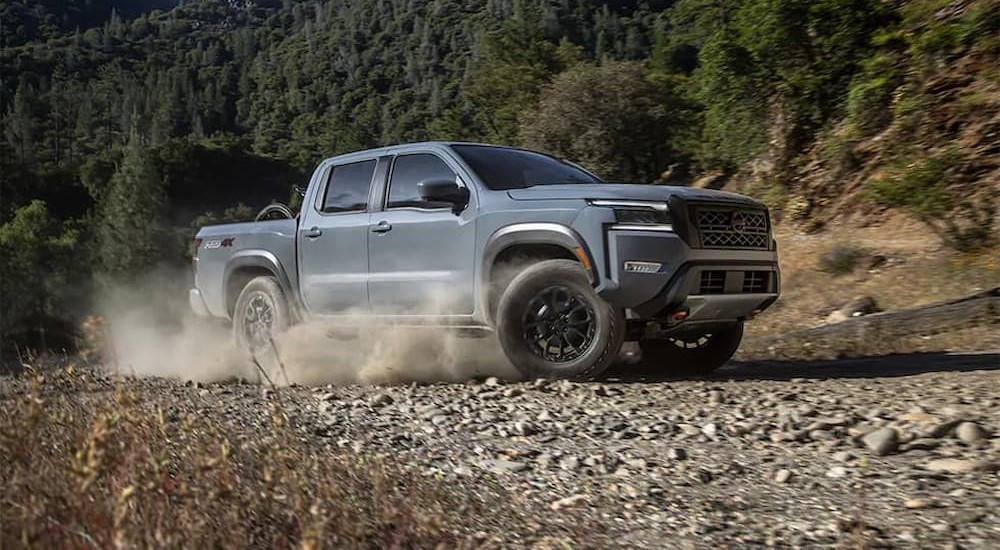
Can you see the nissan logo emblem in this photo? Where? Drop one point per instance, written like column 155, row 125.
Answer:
column 738, row 223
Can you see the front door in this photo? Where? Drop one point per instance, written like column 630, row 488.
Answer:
column 422, row 255
column 333, row 242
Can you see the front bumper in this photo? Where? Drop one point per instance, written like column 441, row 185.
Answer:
column 198, row 303
column 709, row 284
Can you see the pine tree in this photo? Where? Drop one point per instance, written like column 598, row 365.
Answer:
column 130, row 235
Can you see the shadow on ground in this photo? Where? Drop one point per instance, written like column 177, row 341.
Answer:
column 908, row 364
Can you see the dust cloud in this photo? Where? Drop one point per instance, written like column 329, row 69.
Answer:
column 149, row 331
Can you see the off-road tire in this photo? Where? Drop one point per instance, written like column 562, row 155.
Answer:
column 264, row 288
column 513, row 310
column 672, row 354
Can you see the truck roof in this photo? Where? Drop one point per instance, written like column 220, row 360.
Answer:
column 402, row 147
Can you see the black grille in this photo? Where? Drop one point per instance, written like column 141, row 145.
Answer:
column 755, row 282
column 712, row 282
column 732, row 228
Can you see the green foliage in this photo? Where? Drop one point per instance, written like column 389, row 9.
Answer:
column 730, row 86
column 608, row 117
column 930, row 189
column 130, row 233
column 517, row 62
column 233, row 214
column 759, row 55
column 917, row 185
column 870, row 94
column 38, row 273
column 944, row 32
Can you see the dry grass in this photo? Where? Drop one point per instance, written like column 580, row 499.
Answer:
column 915, row 270
column 918, row 271
column 87, row 462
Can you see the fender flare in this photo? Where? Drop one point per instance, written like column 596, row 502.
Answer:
column 531, row 233
column 264, row 259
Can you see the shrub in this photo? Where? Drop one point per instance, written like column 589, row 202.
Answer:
column 840, row 259
column 919, row 186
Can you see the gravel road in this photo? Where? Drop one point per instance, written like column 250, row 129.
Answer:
column 897, row 452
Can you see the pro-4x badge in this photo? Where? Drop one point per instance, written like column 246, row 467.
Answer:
column 219, row 243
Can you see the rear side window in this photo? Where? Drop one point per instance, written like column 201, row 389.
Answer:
column 408, row 171
column 347, row 190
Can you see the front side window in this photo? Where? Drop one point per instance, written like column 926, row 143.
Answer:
column 347, row 189
column 408, row 171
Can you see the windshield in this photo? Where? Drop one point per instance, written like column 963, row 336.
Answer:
column 501, row 168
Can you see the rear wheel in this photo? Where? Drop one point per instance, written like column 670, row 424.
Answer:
column 551, row 323
column 696, row 353
column 260, row 314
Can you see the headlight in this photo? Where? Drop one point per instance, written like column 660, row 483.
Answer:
column 639, row 215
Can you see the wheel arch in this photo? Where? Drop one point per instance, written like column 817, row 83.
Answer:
column 526, row 242
column 246, row 265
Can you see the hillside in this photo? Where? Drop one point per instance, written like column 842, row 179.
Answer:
column 124, row 123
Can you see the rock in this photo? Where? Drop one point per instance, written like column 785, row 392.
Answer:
column 917, row 417
column 492, row 381
column 876, row 261
column 782, row 476
column 689, row 429
column 569, row 463
column 716, row 397
column 969, row 432
column 380, row 399
column 606, row 391
column 917, row 503
column 429, row 412
column 636, row 463
column 843, row 456
column 569, row 502
column 837, row 472
column 513, row 392
column 951, row 465
column 710, row 429
column 524, row 429
column 922, row 444
column 943, row 429
column 865, row 305
column 502, row 465
column 881, row 442
column 677, row 453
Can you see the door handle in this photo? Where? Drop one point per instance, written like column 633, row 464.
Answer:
column 382, row 227
column 313, row 232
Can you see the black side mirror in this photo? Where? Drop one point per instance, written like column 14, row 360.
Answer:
column 444, row 191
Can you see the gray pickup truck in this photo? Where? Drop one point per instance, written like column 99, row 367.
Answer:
column 561, row 266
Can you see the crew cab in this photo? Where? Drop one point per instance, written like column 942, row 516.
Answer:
column 561, row 266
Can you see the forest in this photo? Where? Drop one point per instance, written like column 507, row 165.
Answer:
column 126, row 125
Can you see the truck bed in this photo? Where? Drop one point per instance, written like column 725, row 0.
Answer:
column 222, row 246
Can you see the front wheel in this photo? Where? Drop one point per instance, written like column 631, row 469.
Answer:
column 697, row 354
column 260, row 314
column 552, row 324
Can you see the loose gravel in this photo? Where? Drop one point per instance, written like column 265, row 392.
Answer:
column 897, row 452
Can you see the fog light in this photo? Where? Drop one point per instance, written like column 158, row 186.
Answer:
column 679, row 316
column 642, row 267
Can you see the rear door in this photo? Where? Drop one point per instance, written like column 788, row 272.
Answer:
column 422, row 255
column 333, row 240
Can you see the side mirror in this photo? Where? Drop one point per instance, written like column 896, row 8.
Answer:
column 301, row 190
column 443, row 191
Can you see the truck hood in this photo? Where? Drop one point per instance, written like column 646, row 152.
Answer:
column 625, row 191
